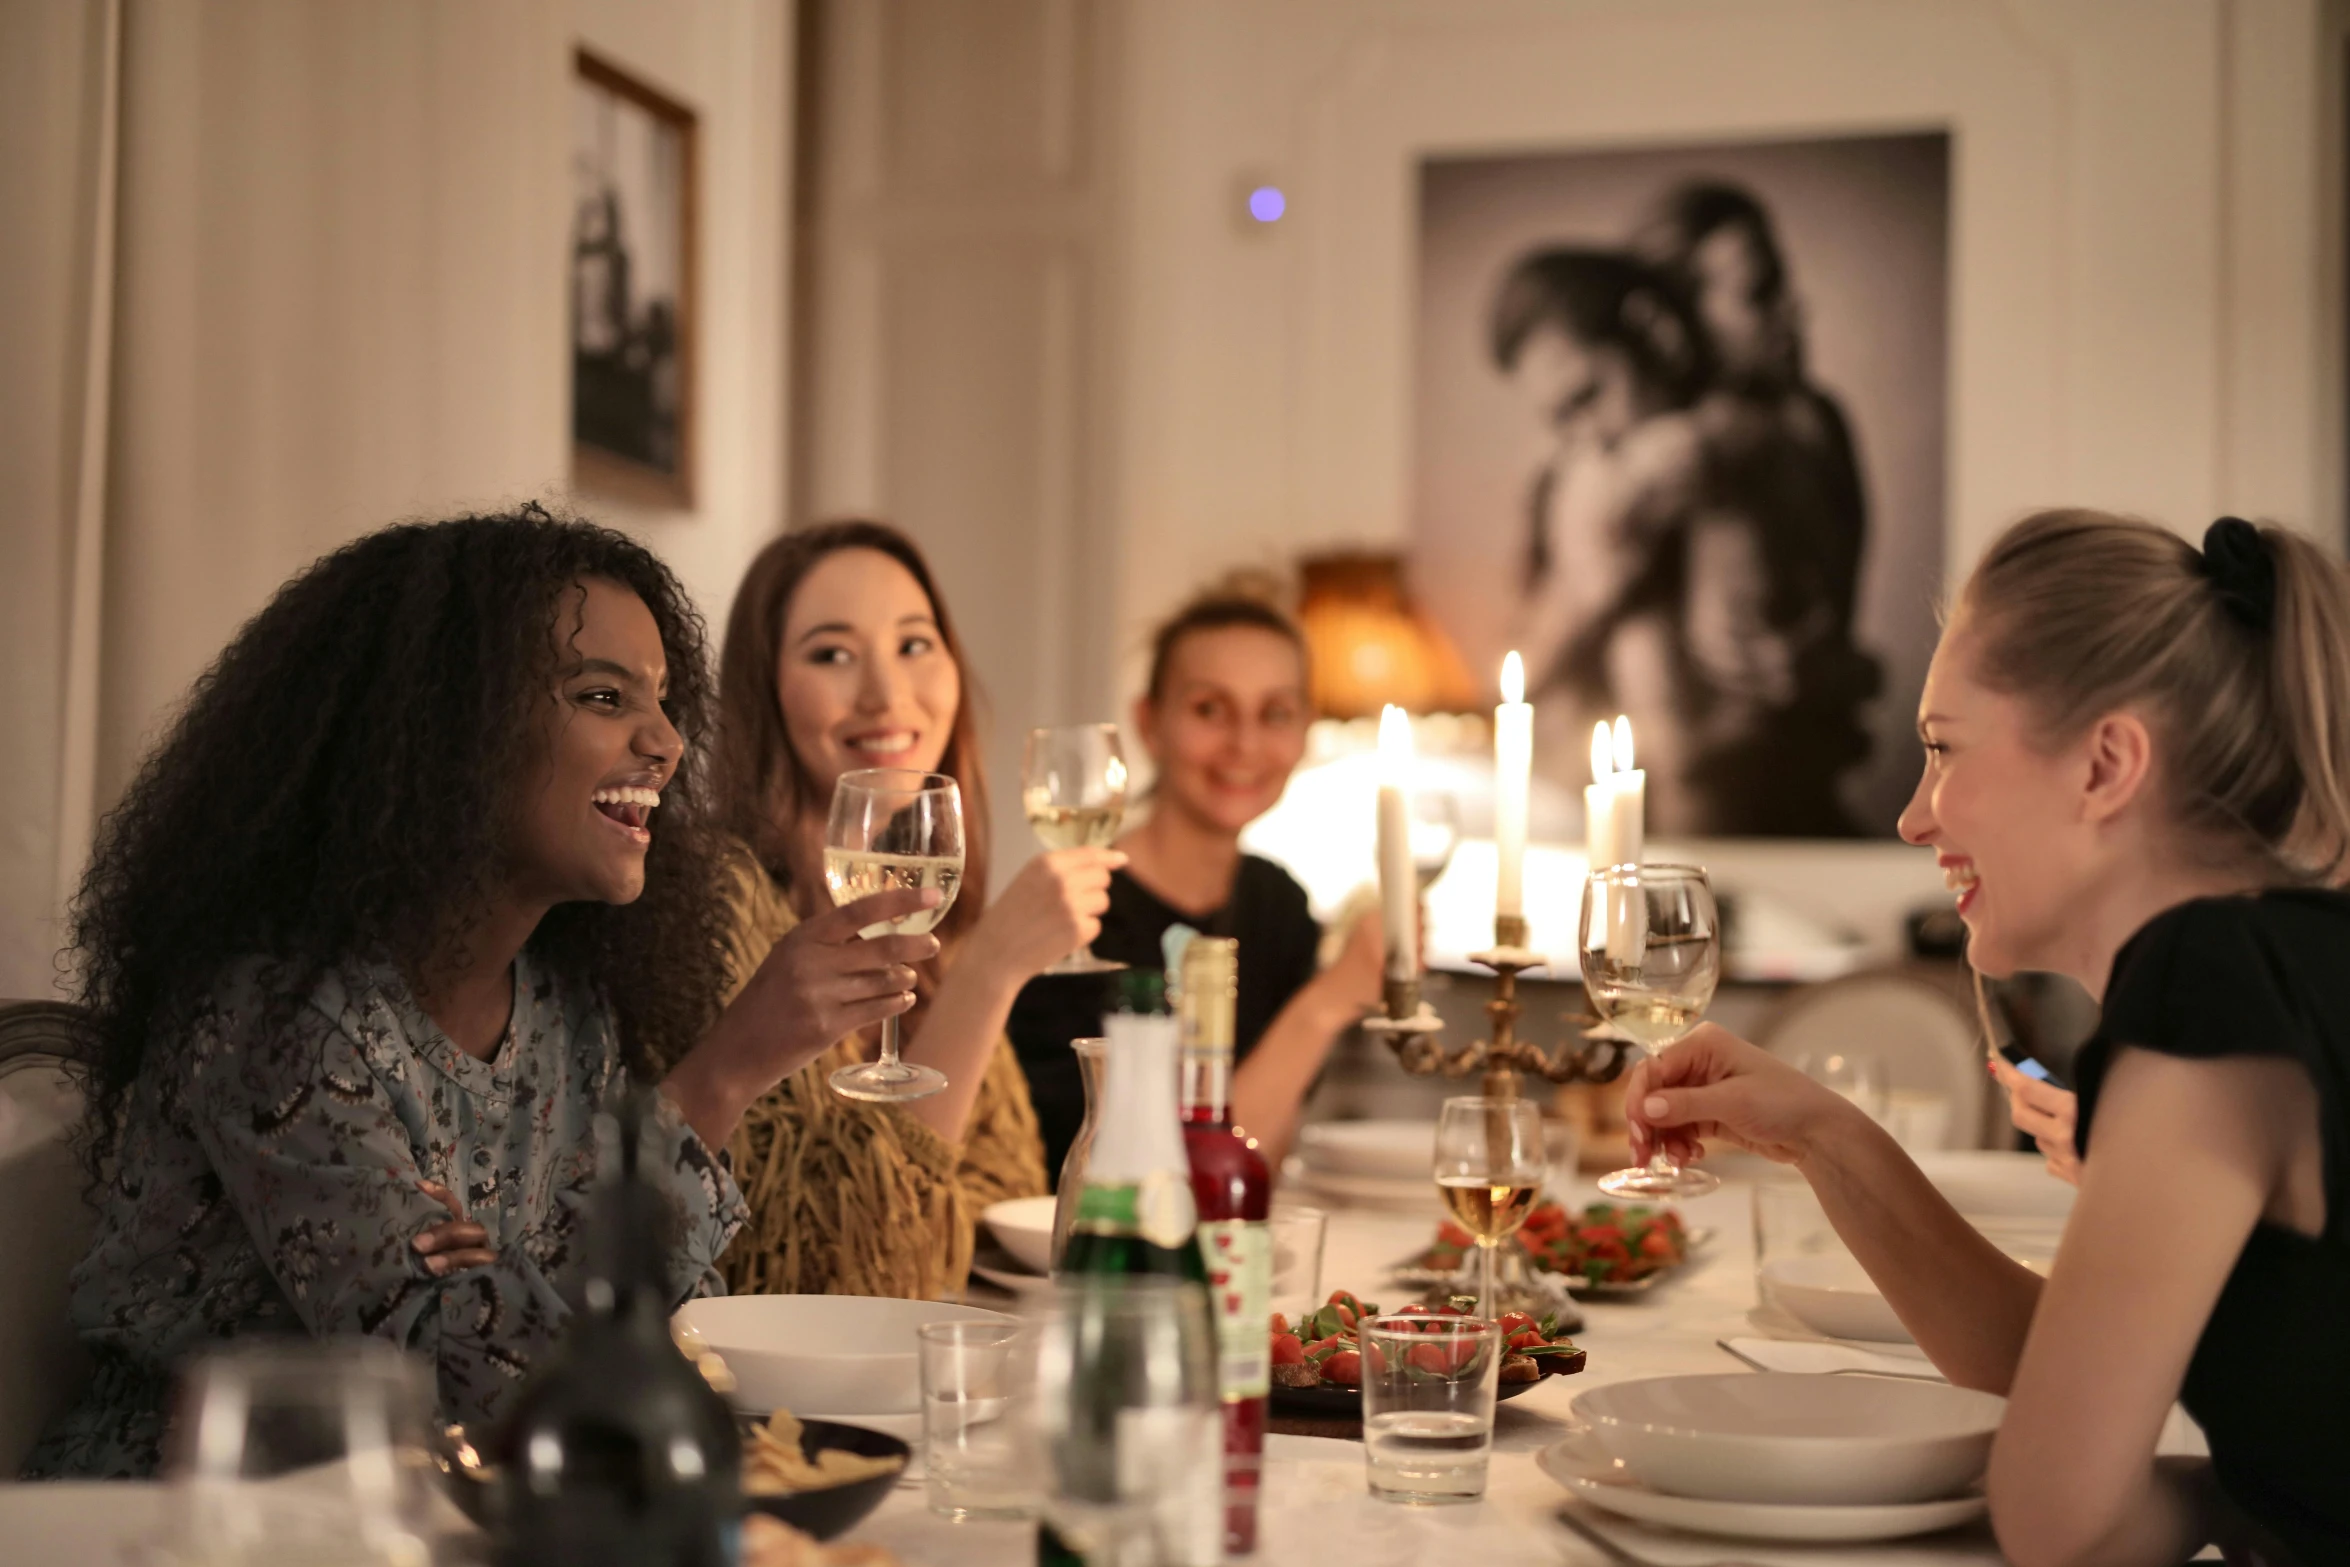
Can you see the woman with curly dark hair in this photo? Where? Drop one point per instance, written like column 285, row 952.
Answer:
column 421, row 870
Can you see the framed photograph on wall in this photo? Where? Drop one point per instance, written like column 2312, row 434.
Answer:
column 634, row 157
column 1681, row 441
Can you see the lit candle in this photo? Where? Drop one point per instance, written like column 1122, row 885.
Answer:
column 1513, row 770
column 1399, row 888
column 1615, row 807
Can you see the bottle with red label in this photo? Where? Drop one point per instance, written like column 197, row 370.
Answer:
column 1233, row 1189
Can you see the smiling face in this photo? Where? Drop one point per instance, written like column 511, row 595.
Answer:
column 607, row 750
column 1229, row 724
column 864, row 675
column 2010, row 822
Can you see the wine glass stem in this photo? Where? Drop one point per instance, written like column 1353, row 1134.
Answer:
column 889, row 1040
column 1487, row 1306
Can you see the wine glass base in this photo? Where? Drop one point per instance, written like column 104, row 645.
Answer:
column 1086, row 963
column 1657, row 1185
column 883, row 1082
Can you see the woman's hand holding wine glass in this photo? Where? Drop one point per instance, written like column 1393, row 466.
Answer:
column 1052, row 908
column 1652, row 953
column 1073, row 788
column 890, row 828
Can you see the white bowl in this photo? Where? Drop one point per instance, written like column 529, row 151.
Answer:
column 1832, row 1294
column 1024, row 1226
column 847, row 1355
column 1791, row 1439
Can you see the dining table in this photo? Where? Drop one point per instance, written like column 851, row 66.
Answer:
column 1316, row 1510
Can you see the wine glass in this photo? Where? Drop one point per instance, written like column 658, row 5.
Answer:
column 1490, row 1160
column 1073, row 786
column 892, row 828
column 294, row 1450
column 1652, row 952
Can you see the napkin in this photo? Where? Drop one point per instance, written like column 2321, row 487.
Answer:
column 1812, row 1355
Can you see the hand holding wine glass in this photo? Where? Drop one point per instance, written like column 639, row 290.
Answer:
column 1652, row 954
column 891, row 828
column 1073, row 787
column 1490, row 1164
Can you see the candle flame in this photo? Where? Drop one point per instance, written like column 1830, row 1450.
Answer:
column 1623, row 743
column 1601, row 754
column 1395, row 742
column 1513, row 678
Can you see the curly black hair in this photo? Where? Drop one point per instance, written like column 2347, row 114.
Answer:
column 341, row 783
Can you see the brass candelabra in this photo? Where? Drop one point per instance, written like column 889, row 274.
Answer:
column 1411, row 1027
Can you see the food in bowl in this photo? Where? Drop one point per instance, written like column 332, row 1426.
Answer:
column 844, row 1356
column 776, row 1464
column 1779, row 1437
column 1023, row 1226
column 1607, row 1243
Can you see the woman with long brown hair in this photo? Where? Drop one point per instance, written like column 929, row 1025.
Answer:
column 840, row 655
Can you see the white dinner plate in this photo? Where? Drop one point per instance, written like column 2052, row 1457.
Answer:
column 1019, row 1283
column 1610, row 1488
column 1771, row 1322
column 1372, row 1191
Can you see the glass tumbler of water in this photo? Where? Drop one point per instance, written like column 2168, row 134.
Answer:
column 1428, row 1386
column 978, row 1445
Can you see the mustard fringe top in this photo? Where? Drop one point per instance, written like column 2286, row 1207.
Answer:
column 849, row 1198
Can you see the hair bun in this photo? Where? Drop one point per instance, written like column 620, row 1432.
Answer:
column 2238, row 562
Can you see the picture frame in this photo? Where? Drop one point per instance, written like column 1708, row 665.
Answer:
column 634, row 320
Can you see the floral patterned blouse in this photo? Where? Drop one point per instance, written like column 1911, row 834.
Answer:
column 280, row 1191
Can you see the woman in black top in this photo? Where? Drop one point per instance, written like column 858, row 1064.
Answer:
column 1224, row 720
column 2137, row 774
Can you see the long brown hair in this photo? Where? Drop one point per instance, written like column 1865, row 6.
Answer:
column 2239, row 654
column 764, row 788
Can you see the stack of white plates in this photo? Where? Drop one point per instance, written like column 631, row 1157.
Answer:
column 1782, row 1457
column 1388, row 1164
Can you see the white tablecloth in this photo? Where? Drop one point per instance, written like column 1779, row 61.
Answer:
column 1316, row 1509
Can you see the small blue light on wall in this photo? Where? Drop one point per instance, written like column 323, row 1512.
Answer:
column 1266, row 204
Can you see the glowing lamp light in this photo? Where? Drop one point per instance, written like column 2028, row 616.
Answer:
column 1266, row 204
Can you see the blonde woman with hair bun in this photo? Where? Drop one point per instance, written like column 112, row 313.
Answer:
column 2137, row 774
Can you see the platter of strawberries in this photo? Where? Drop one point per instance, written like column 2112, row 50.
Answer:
column 1318, row 1361
column 1608, row 1250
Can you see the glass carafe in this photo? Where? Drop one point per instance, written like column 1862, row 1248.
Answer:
column 1072, row 1184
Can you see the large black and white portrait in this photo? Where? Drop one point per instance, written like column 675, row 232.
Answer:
column 1680, row 442
column 631, row 287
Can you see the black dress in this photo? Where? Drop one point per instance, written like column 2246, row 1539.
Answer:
column 1267, row 914
column 2270, row 1378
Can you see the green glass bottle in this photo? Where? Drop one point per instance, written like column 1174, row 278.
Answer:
column 1137, row 1213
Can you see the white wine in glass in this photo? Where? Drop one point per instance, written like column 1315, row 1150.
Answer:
column 1490, row 1164
column 1073, row 787
column 892, row 828
column 1652, row 953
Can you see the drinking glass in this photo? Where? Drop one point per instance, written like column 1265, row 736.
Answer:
column 1434, row 832
column 1131, row 1415
column 1428, row 1388
column 310, row 1454
column 1073, row 786
column 1079, row 1158
column 1490, row 1161
column 1652, row 951
column 976, row 1382
column 892, row 828
column 1297, row 1234
column 1847, row 1075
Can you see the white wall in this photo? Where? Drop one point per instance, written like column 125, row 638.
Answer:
column 340, row 301
column 2145, row 290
